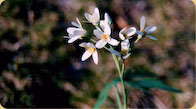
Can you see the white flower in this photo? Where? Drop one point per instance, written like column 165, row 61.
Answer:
column 76, row 32
column 124, row 49
column 145, row 31
column 90, row 50
column 104, row 36
column 125, row 44
column 126, row 34
column 94, row 18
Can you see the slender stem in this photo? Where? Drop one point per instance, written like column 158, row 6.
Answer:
column 116, row 63
column 123, row 85
column 118, row 97
column 121, row 72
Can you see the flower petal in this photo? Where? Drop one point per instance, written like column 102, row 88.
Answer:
column 75, row 24
column 131, row 31
column 121, row 34
column 142, row 23
column 113, row 42
column 150, row 29
column 86, row 55
column 71, row 30
column 100, row 44
column 107, row 18
column 114, row 52
column 151, row 37
column 88, row 17
column 126, row 56
column 95, row 57
column 96, row 15
column 78, row 22
column 139, row 33
column 125, row 44
column 97, row 33
column 90, row 45
column 72, row 39
column 107, row 30
column 79, row 32
column 84, row 44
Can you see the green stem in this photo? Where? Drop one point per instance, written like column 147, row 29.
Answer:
column 121, row 72
column 118, row 97
column 116, row 63
column 123, row 85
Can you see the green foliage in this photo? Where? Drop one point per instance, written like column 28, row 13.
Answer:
column 136, row 79
column 104, row 93
column 153, row 83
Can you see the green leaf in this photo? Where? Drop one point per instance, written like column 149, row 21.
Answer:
column 104, row 93
column 134, row 85
column 153, row 83
column 139, row 72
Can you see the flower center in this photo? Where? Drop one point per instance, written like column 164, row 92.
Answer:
column 105, row 37
column 124, row 51
column 125, row 35
column 91, row 50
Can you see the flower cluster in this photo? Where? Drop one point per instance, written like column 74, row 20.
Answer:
column 128, row 36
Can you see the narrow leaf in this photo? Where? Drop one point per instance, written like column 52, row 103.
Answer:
column 104, row 93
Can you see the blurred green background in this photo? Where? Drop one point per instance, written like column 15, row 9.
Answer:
column 39, row 69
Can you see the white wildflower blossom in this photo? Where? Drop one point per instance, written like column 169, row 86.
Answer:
column 127, row 33
column 76, row 32
column 90, row 50
column 104, row 36
column 145, row 31
column 125, row 45
column 94, row 18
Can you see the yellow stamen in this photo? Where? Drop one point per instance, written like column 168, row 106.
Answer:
column 105, row 37
column 91, row 50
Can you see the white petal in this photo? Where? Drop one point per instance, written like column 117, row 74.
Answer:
column 150, row 29
column 114, row 52
column 75, row 24
column 139, row 33
column 113, row 42
column 71, row 30
column 79, row 22
column 90, row 45
column 79, row 32
column 103, row 24
column 88, row 17
column 97, row 33
column 84, row 44
column 86, row 55
column 72, row 39
column 107, row 18
column 96, row 15
column 100, row 44
column 126, row 56
column 125, row 44
column 107, row 30
column 95, row 57
column 131, row 31
column 71, row 35
column 142, row 23
column 151, row 37
column 121, row 34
